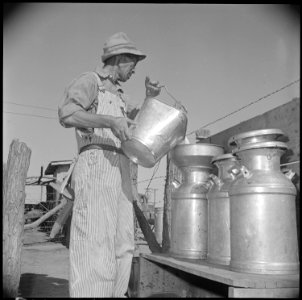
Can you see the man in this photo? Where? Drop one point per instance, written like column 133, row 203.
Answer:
column 102, row 235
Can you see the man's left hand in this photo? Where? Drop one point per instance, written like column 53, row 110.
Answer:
column 152, row 88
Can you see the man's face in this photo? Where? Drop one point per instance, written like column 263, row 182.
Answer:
column 127, row 66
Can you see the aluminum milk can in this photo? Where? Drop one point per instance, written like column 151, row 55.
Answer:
column 262, row 207
column 219, row 249
column 189, row 215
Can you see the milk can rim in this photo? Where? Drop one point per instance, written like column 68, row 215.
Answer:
column 270, row 144
column 254, row 133
column 223, row 157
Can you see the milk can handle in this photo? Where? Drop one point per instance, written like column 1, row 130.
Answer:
column 177, row 103
column 208, row 184
column 216, row 180
column 235, row 171
column 175, row 184
column 290, row 174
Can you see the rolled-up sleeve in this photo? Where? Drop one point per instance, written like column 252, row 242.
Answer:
column 79, row 95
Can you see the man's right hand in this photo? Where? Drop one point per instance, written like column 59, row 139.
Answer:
column 120, row 128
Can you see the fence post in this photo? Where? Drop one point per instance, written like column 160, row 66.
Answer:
column 14, row 178
column 133, row 175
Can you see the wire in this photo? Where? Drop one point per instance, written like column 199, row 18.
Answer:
column 33, row 106
column 291, row 163
column 149, row 179
column 266, row 96
column 154, row 172
column 30, row 115
column 177, row 101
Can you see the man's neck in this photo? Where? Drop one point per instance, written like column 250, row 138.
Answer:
column 112, row 71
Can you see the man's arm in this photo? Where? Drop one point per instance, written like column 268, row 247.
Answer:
column 118, row 125
column 84, row 119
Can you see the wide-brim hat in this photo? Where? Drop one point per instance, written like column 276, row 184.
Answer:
column 119, row 43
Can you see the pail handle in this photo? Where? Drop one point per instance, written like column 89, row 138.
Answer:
column 177, row 103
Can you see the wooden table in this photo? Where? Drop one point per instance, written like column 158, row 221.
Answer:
column 163, row 274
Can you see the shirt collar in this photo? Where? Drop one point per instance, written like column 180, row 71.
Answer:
column 104, row 74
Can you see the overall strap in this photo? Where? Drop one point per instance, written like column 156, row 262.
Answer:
column 100, row 83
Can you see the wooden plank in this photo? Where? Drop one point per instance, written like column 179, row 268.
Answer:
column 225, row 276
column 154, row 280
column 263, row 293
column 158, row 281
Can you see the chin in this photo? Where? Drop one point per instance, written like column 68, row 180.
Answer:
column 125, row 78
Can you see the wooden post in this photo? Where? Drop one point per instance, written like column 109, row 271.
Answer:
column 172, row 172
column 133, row 175
column 143, row 223
column 14, row 178
column 47, row 215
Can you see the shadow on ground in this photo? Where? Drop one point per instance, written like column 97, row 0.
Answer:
column 41, row 285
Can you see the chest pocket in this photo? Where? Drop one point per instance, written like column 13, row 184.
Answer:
column 110, row 104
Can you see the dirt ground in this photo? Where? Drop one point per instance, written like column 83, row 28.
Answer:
column 44, row 266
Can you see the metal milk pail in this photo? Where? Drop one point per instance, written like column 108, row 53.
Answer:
column 189, row 211
column 219, row 249
column 262, row 210
column 159, row 128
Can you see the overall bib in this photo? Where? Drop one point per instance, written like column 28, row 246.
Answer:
column 102, row 233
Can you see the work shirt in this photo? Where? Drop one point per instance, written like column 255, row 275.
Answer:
column 82, row 94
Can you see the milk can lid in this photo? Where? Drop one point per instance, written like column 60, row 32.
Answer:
column 270, row 144
column 223, row 157
column 255, row 136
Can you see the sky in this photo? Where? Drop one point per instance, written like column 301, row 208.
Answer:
column 214, row 58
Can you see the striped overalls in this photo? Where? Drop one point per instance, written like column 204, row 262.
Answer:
column 102, row 234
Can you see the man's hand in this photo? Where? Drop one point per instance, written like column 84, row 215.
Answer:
column 152, row 88
column 120, row 128
column 132, row 111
